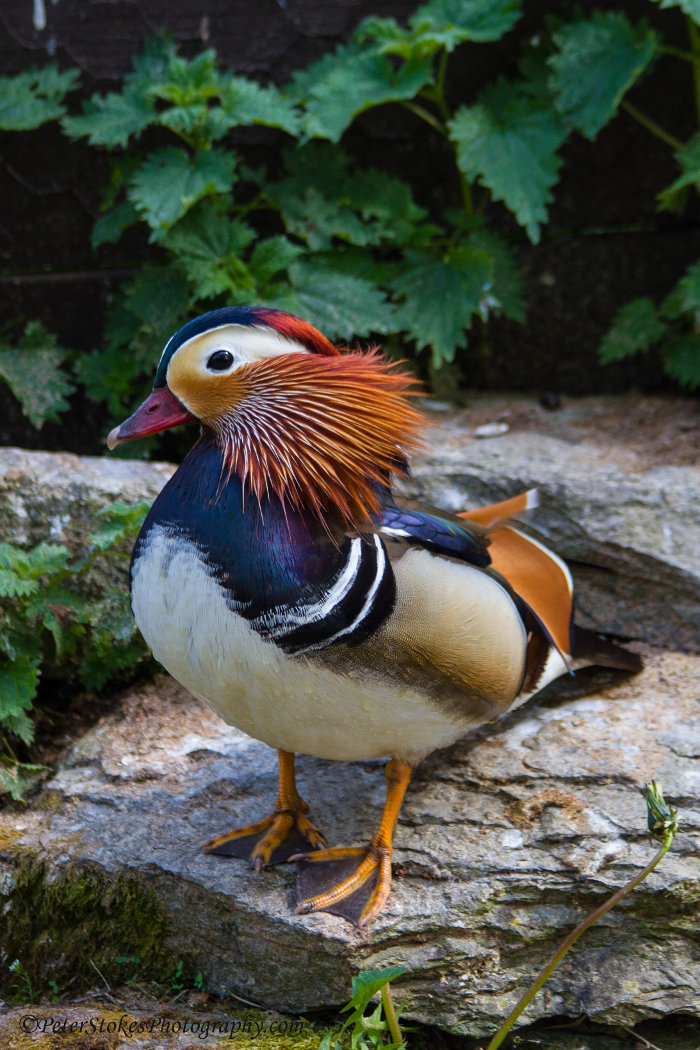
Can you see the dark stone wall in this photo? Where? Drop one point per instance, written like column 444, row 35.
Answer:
column 605, row 243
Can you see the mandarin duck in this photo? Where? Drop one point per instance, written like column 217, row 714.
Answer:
column 279, row 581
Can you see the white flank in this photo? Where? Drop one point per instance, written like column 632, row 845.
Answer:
column 286, row 701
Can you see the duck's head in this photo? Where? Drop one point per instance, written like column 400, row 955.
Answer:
column 292, row 415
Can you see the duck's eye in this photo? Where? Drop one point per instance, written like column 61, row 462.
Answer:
column 219, row 361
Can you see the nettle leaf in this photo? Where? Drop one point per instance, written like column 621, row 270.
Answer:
column 208, row 246
column 349, row 81
column 18, row 684
column 156, row 298
column 197, row 122
column 245, row 102
column 111, row 120
column 441, row 24
column 170, row 182
column 636, row 327
column 596, row 63
column 453, row 22
column 340, row 305
column 509, row 144
column 324, row 198
column 34, row 372
column 184, row 81
column 271, row 257
column 681, row 357
column 317, row 220
column 152, row 65
column 440, row 296
column 34, row 97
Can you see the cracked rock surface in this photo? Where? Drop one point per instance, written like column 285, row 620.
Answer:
column 505, row 842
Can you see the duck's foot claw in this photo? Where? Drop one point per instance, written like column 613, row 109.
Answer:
column 353, row 883
column 273, row 840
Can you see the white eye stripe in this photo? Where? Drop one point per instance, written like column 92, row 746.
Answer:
column 247, row 344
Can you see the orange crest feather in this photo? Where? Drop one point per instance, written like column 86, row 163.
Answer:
column 318, row 432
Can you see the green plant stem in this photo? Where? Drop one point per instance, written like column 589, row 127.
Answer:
column 694, row 38
column 650, row 125
column 390, row 1014
column 437, row 125
column 551, row 966
column 427, row 116
column 677, row 52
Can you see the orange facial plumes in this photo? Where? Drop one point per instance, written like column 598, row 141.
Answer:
column 319, row 431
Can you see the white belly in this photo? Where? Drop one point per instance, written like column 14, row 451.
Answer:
column 285, row 701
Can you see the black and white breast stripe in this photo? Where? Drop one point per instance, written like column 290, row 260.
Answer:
column 357, row 600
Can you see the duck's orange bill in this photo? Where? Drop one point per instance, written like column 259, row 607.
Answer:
column 160, row 411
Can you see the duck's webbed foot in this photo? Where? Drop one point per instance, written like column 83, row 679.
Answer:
column 354, row 882
column 274, row 839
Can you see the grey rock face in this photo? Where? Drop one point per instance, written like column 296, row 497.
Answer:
column 505, row 842
column 54, row 496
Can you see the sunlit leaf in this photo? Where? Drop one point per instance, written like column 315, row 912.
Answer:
column 509, row 143
column 244, row 102
column 349, row 81
column 34, row 372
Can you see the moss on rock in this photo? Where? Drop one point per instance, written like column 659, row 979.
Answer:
column 66, row 928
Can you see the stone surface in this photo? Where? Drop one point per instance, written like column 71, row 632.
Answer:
column 55, row 496
column 505, row 842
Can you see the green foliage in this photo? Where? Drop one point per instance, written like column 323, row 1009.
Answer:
column 33, row 371
column 34, row 97
column 349, row 247
column 46, row 619
column 673, row 327
column 509, row 143
column 595, row 63
column 374, row 1030
column 352, row 247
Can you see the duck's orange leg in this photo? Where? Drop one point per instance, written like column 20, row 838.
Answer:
column 362, row 890
column 276, row 838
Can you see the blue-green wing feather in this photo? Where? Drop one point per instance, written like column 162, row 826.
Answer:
column 435, row 534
